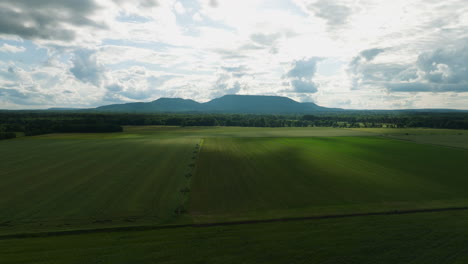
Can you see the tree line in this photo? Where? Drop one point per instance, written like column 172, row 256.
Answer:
column 44, row 122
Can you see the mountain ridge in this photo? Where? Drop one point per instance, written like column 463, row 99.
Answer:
column 242, row 104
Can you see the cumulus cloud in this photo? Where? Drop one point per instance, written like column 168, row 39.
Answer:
column 445, row 65
column 364, row 57
column 304, row 68
column 442, row 70
column 303, row 86
column 301, row 73
column 85, row 67
column 225, row 85
column 370, row 54
column 334, row 12
column 134, row 84
column 230, row 79
column 362, row 69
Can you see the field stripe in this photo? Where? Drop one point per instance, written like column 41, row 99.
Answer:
column 228, row 223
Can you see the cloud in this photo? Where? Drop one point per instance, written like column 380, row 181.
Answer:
column 304, row 68
column 11, row 49
column 213, row 3
column 85, row 67
column 445, row 65
column 301, row 74
column 46, row 19
column 363, row 70
column 304, row 86
column 334, row 13
column 230, row 79
column 441, row 70
column 370, row 54
column 149, row 3
column 364, row 56
column 134, row 84
column 179, row 8
column 236, row 71
column 426, row 87
column 379, row 53
column 265, row 39
column 225, row 85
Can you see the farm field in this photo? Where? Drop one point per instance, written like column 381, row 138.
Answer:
column 277, row 177
column 411, row 131
column 443, row 137
column 414, row 238
column 69, row 181
column 245, row 131
column 136, row 180
column 455, row 141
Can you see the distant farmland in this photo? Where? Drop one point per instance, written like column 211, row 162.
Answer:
column 158, row 177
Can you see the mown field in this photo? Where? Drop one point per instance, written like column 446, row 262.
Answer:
column 69, row 181
column 204, row 132
column 416, row 239
column 267, row 177
column 155, row 177
column 443, row 137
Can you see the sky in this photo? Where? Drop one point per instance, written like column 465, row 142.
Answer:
column 355, row 54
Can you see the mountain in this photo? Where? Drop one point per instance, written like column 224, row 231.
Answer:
column 242, row 104
column 164, row 105
column 259, row 104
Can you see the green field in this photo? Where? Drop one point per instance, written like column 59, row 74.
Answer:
column 66, row 181
column 443, row 137
column 138, row 178
column 267, row 177
column 416, row 239
column 204, row 132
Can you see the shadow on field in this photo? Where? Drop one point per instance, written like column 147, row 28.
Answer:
column 268, row 178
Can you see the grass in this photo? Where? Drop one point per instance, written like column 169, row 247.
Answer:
column 50, row 182
column 74, row 181
column 443, row 137
column 417, row 238
column 412, row 131
column 455, row 141
column 240, row 178
column 245, row 131
column 85, row 181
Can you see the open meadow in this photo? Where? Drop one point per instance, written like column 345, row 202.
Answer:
column 163, row 194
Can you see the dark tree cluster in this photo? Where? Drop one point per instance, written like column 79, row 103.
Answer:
column 7, row 135
column 37, row 123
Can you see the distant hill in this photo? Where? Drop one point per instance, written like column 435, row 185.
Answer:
column 160, row 105
column 259, row 104
column 242, row 104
